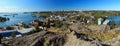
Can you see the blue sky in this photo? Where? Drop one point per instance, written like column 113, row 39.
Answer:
column 44, row 5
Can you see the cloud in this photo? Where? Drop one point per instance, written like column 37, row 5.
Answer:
column 14, row 9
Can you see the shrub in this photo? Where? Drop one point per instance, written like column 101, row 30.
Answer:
column 112, row 24
column 31, row 32
column 58, row 24
column 13, row 34
column 100, row 35
column 43, row 14
column 119, row 23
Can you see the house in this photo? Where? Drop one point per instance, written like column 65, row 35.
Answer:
column 100, row 21
column 106, row 22
column 37, row 23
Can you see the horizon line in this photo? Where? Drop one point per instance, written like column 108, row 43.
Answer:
column 57, row 10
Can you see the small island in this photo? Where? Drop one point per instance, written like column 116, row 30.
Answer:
column 3, row 19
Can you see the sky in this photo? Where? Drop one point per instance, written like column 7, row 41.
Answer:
column 52, row 5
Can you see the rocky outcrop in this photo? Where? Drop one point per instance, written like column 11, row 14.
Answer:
column 25, row 40
column 43, row 38
column 50, row 40
column 83, row 40
column 2, row 19
column 78, row 27
column 73, row 38
column 114, row 42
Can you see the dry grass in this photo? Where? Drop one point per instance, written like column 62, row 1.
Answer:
column 96, row 31
column 57, row 30
column 102, row 35
column 54, row 29
column 72, row 40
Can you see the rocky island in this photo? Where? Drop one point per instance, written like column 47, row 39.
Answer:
column 3, row 19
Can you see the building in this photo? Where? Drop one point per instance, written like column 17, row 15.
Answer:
column 100, row 21
column 106, row 22
column 37, row 23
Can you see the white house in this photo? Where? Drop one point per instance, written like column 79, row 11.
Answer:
column 106, row 22
column 100, row 21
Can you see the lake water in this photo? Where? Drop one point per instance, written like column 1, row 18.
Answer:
column 115, row 18
column 15, row 19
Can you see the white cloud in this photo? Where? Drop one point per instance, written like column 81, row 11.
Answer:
column 14, row 9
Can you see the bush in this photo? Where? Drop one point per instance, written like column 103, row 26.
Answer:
column 107, row 35
column 33, row 30
column 58, row 23
column 13, row 34
column 43, row 14
column 119, row 23
column 65, row 24
column 112, row 24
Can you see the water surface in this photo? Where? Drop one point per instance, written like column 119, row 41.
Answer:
column 115, row 18
column 15, row 19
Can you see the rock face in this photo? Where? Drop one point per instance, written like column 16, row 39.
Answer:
column 50, row 40
column 79, row 27
column 73, row 40
column 114, row 41
column 45, row 38
column 2, row 19
column 25, row 40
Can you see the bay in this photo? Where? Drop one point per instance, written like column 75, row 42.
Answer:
column 19, row 17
